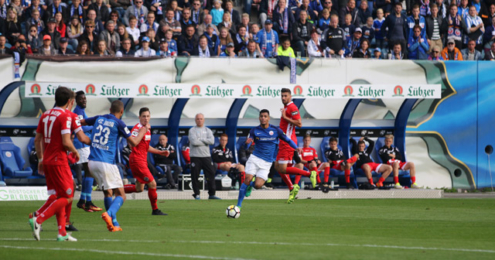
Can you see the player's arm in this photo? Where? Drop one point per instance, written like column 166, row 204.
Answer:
column 38, row 146
column 250, row 137
column 194, row 139
column 370, row 146
column 285, row 138
column 68, row 145
column 136, row 137
column 159, row 152
column 83, row 138
column 398, row 154
column 210, row 139
column 355, row 149
column 88, row 122
column 384, row 155
column 297, row 118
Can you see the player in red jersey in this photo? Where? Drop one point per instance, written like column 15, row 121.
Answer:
column 309, row 157
column 52, row 141
column 290, row 119
column 138, row 162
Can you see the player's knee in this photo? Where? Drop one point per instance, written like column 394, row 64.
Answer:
column 240, row 167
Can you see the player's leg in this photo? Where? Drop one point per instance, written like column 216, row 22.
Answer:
column 115, row 207
column 313, row 166
column 273, row 171
column 347, row 174
column 385, row 170
column 395, row 169
column 82, row 199
column 367, row 172
column 299, row 166
column 225, row 166
column 177, row 170
column 89, row 189
column 409, row 166
column 242, row 190
column 153, row 197
column 209, row 172
column 297, row 170
column 195, row 171
column 326, row 172
column 68, row 211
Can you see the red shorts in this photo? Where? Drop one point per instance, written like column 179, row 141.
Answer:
column 59, row 180
column 219, row 164
column 284, row 156
column 401, row 164
column 141, row 172
column 374, row 166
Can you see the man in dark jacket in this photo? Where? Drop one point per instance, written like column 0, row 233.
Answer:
column 224, row 160
column 435, row 29
column 333, row 38
column 54, row 8
column 188, row 42
column 166, row 163
column 350, row 9
column 397, row 28
column 283, row 19
column 102, row 12
column 54, row 34
column 301, row 33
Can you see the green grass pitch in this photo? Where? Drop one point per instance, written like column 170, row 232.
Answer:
column 266, row 229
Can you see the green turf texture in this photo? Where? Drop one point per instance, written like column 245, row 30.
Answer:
column 266, row 229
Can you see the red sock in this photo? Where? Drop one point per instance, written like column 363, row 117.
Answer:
column 318, row 180
column 153, row 198
column 413, row 179
column 130, row 188
column 396, row 179
column 48, row 202
column 68, row 210
column 243, row 177
column 326, row 174
column 55, row 207
column 347, row 174
column 381, row 180
column 370, row 180
column 286, row 179
column 296, row 171
column 353, row 159
column 297, row 179
column 61, row 221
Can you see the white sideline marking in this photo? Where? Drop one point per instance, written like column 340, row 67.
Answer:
column 274, row 243
column 120, row 252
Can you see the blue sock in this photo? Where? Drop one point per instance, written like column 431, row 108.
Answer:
column 242, row 194
column 88, row 188
column 114, row 208
column 251, row 184
column 83, row 190
column 108, row 202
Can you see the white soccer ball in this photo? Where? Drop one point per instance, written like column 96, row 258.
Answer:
column 233, row 211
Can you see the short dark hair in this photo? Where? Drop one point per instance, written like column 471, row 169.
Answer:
column 116, row 106
column 62, row 96
column 332, row 139
column 79, row 93
column 361, row 142
column 264, row 111
column 224, row 135
column 286, row 90
column 307, row 136
column 143, row 109
column 417, row 27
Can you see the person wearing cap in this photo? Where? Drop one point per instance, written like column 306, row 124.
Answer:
column 47, row 48
column 395, row 27
column 268, row 40
column 63, row 42
column 451, row 52
column 470, row 53
column 188, row 42
column 56, row 7
column 333, row 38
column 111, row 37
column 125, row 50
column 285, row 50
column 283, row 19
column 52, row 32
column 354, row 43
column 137, row 10
column 203, row 50
column 417, row 44
column 314, row 45
column 145, row 50
column 377, row 54
column 251, row 51
column 102, row 11
column 229, row 51
column 435, row 54
column 164, row 51
column 301, row 32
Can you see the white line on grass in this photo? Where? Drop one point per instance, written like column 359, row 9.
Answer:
column 275, row 243
column 120, row 252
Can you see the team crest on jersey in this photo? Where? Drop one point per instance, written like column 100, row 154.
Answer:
column 271, row 132
column 69, row 191
column 100, row 121
column 68, row 123
column 135, row 133
column 295, row 113
column 80, row 117
column 146, row 179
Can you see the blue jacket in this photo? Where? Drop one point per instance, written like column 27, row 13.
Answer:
column 417, row 50
column 390, row 24
column 351, row 45
column 411, row 23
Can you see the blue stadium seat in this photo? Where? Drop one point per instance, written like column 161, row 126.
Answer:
column 5, row 139
column 12, row 161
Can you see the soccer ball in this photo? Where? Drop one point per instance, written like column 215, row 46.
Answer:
column 233, row 211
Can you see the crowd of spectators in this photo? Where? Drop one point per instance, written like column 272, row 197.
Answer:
column 380, row 29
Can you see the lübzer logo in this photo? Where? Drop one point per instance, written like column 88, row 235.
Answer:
column 364, row 132
column 16, row 131
column 246, row 91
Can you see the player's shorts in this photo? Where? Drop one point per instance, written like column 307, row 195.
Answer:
column 285, row 155
column 218, row 165
column 374, row 166
column 338, row 165
column 307, row 164
column 59, row 180
column 258, row 167
column 107, row 175
column 141, row 172
column 401, row 164
column 83, row 155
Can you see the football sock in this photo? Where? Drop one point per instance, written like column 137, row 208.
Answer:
column 381, row 180
column 287, row 181
column 130, row 188
column 88, row 188
column 108, row 202
column 68, row 210
column 296, row 171
column 243, row 176
column 326, row 174
column 56, row 206
column 353, row 159
column 115, row 206
column 297, row 179
column 48, row 202
column 370, row 180
column 413, row 179
column 242, row 193
column 153, row 198
column 347, row 174
column 251, row 184
column 60, row 214
column 396, row 179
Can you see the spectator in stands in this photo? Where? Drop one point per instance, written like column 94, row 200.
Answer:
column 83, row 49
column 167, row 163
column 481, row 8
column 285, row 50
column 353, row 11
column 47, row 49
column 12, row 25
column 76, row 9
column 366, row 163
column 368, row 30
column 451, row 52
column 33, row 39
column 89, row 35
column 235, row 18
column 224, row 39
column 111, row 37
column 425, row 7
column 268, row 40
column 253, row 34
column 396, row 24
column 364, row 12
column 397, row 53
column 164, row 51
column 386, row 5
column 283, row 19
column 470, row 53
column 377, row 24
column 63, row 43
column 417, row 45
column 186, row 19
column 60, row 27
column 455, row 25
column 245, row 21
column 35, row 20
column 172, row 44
column 241, row 40
column 435, row 28
column 324, row 20
column 487, row 19
column 56, row 7
column 217, row 12
column 213, row 39
column 149, row 23
column 200, row 138
column 203, row 50
column 188, row 42
column 16, row 4
column 363, row 51
column 267, row 9
column 52, row 32
column 137, row 10
column 314, row 46
column 153, row 41
column 489, row 35
column 197, row 12
column 101, row 49
column 125, row 50
column 348, row 27
column 463, row 9
column 119, row 6
column 229, row 51
column 3, row 49
column 333, row 40
column 173, row 24
column 35, row 5
column 416, row 19
column 490, row 55
column 174, row 6
column 98, row 24
column 377, row 54
column 474, row 28
column 133, row 30
column 207, row 21
column 312, row 14
column 227, row 23
column 224, row 160
column 301, row 33
column 442, row 8
column 251, row 51
column 21, row 48
column 354, row 43
column 102, row 12
column 123, row 34
column 435, row 54
column 145, row 50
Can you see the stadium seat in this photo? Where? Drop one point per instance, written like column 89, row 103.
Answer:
column 12, row 161
column 5, row 139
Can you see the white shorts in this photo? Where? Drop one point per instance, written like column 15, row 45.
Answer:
column 107, row 175
column 83, row 155
column 258, row 167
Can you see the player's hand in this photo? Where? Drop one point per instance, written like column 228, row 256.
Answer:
column 361, row 139
column 392, row 155
column 284, row 116
column 299, row 150
column 40, row 168
column 76, row 155
column 148, row 126
column 165, row 153
column 249, row 140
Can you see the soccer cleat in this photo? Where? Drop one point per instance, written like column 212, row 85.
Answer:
column 158, row 212
column 92, row 207
column 379, row 185
column 415, row 186
column 116, row 229
column 349, row 186
column 67, row 237
column 249, row 190
column 398, row 186
column 81, row 204
column 312, row 177
column 31, row 215
column 70, row 227
column 196, row 197
column 293, row 194
column 325, row 188
column 36, row 228
column 213, row 197
column 108, row 221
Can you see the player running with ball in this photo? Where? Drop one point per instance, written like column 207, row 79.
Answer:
column 266, row 137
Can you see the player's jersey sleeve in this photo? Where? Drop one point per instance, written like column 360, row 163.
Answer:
column 39, row 129
column 315, row 154
column 294, row 112
column 76, row 123
column 91, row 120
column 65, row 121
column 285, row 138
column 251, row 134
column 135, row 130
column 123, row 130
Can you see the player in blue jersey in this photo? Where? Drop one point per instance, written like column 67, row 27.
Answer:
column 83, row 150
column 107, row 130
column 266, row 138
